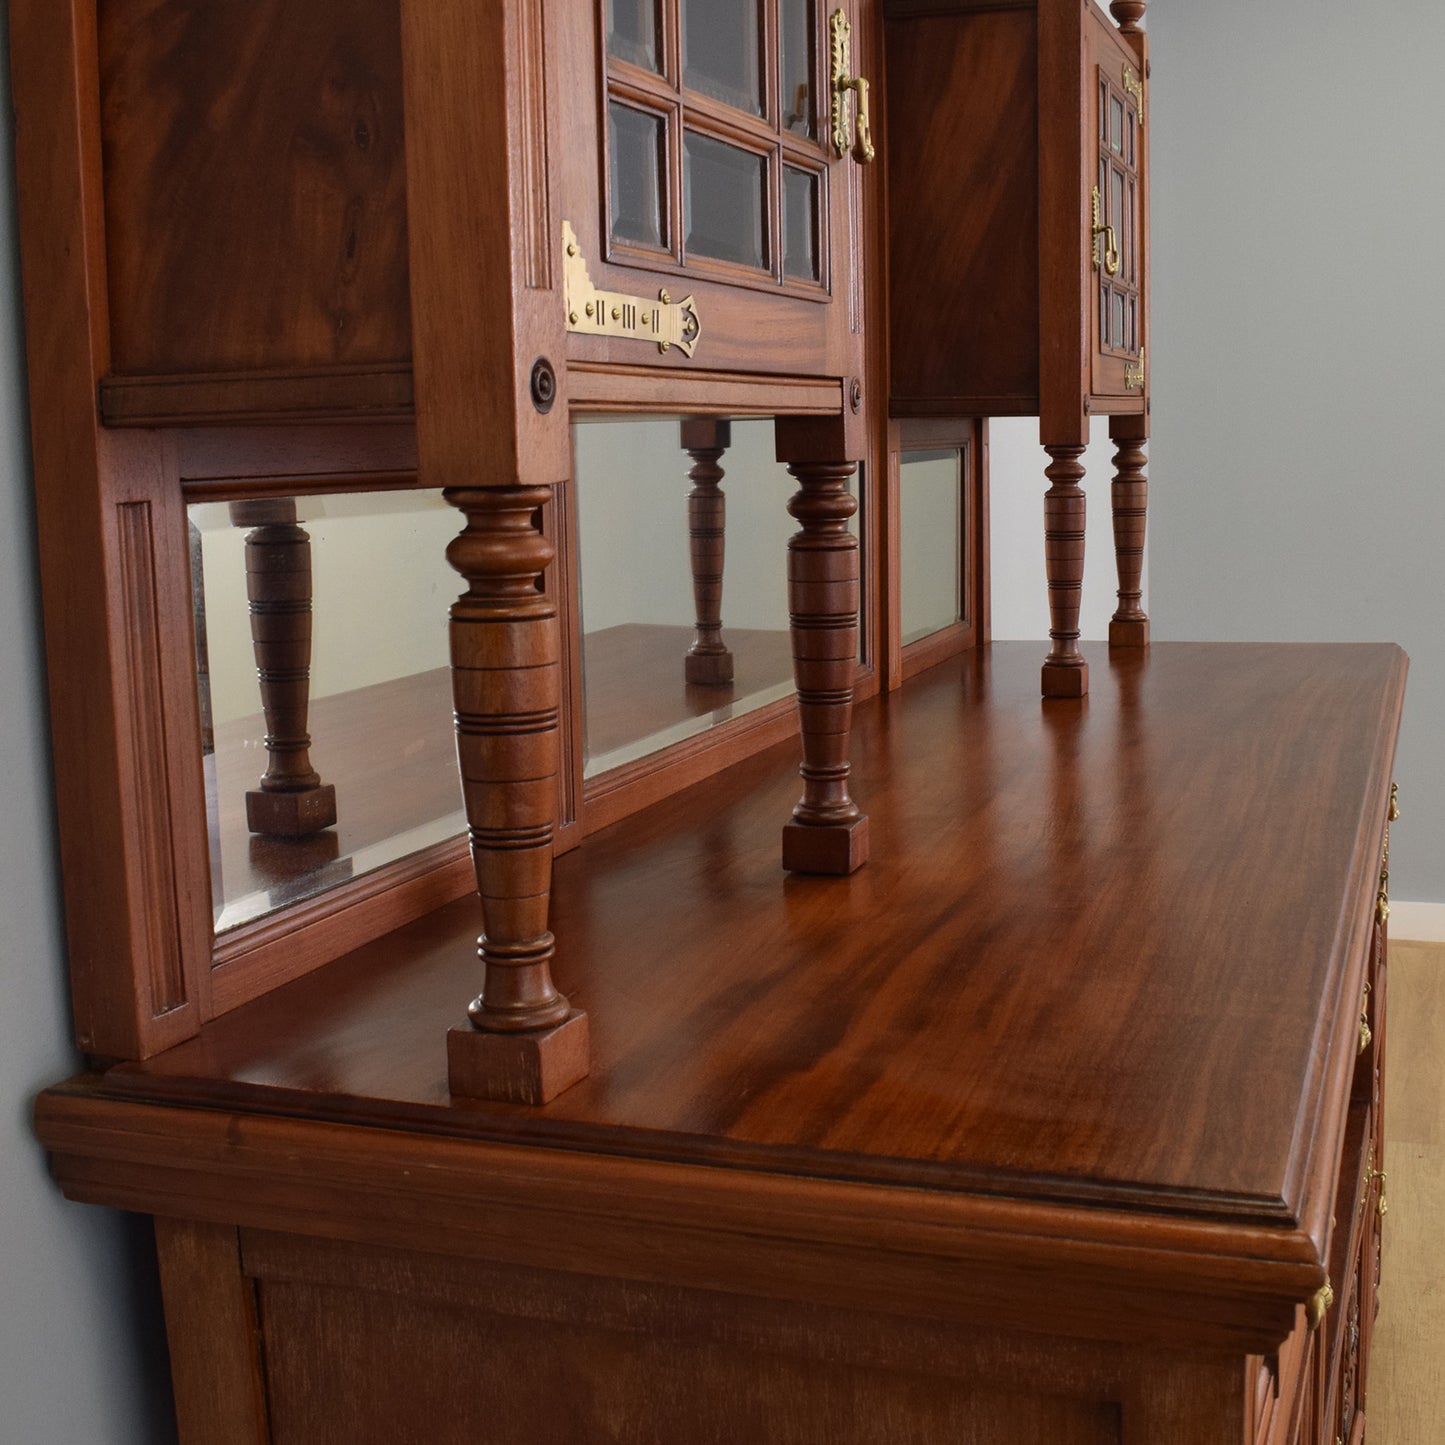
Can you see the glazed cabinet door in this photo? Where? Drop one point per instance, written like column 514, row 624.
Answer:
column 1115, row 148
column 701, row 187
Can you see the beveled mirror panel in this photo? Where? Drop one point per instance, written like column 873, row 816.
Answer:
column 931, row 541
column 325, row 692
column 683, row 535
column 724, row 207
column 633, row 32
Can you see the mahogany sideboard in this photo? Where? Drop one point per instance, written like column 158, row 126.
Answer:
column 1029, row 1091
column 1058, row 1122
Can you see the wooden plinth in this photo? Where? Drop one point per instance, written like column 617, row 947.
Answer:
column 1065, row 679
column 291, row 815
column 836, row 849
column 526, row 1068
column 1134, row 633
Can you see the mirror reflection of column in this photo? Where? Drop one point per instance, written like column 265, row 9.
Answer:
column 709, row 661
column 291, row 801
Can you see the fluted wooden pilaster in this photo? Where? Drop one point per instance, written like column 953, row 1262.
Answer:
column 291, row 801
column 1065, row 673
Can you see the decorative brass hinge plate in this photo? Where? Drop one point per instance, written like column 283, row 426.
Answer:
column 592, row 312
column 1135, row 87
column 1134, row 373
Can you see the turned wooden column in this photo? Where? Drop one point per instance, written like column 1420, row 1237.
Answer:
column 1065, row 673
column 525, row 1041
column 705, row 439
column 1129, row 495
column 828, row 832
column 292, row 801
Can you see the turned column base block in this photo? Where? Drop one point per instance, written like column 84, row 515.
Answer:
column 835, row 849
column 708, row 669
column 1062, row 679
column 291, row 815
column 529, row 1068
column 1134, row 632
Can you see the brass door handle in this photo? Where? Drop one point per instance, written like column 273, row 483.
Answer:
column 1105, row 239
column 860, row 144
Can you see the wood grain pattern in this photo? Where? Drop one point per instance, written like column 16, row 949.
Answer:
column 255, row 198
column 1073, row 995
column 963, row 215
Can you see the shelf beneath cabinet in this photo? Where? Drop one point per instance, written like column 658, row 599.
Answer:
column 1062, row 976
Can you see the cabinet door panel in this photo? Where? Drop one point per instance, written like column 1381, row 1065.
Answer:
column 1115, row 144
column 714, row 177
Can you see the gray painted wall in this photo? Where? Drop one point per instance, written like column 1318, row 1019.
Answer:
column 1298, row 353
column 81, row 1353
column 1299, row 346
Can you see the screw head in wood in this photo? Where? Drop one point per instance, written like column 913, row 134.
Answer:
column 544, row 385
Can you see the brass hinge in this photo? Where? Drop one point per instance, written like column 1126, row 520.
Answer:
column 610, row 313
column 1134, row 373
column 1135, row 87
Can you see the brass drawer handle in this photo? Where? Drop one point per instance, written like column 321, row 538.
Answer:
column 861, row 144
column 1106, row 241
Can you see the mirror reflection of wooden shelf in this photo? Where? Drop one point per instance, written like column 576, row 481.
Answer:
column 388, row 749
column 638, row 701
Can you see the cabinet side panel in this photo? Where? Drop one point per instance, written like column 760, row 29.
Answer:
column 963, row 213
column 255, row 185
column 355, row 1365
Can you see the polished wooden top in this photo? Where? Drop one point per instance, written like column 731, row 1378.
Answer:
column 1104, row 952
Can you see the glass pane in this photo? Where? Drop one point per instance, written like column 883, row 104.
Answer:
column 635, row 152
column 1104, row 331
column 632, row 31
column 800, row 224
column 1116, row 123
column 796, row 58
column 723, row 201
column 1130, row 232
column 342, row 600
column 1103, row 113
column 930, row 504
column 1134, row 325
column 1118, row 322
column 694, row 632
column 720, row 51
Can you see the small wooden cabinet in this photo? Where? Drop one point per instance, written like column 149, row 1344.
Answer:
column 1018, row 242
